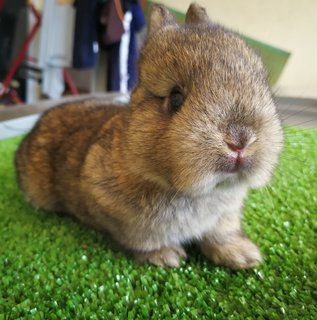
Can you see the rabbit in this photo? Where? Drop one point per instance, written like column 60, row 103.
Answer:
column 175, row 165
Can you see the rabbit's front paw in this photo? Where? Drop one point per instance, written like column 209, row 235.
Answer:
column 240, row 253
column 164, row 257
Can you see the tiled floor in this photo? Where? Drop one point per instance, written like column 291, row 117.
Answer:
column 14, row 127
column 20, row 119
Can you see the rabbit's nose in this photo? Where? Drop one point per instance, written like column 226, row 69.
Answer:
column 239, row 138
column 235, row 147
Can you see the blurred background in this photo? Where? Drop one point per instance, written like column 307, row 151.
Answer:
column 52, row 49
column 288, row 25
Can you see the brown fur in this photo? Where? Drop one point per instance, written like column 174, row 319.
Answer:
column 153, row 178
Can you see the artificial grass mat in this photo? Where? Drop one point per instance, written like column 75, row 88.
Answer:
column 51, row 267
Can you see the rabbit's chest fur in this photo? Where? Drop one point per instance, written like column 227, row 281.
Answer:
column 172, row 222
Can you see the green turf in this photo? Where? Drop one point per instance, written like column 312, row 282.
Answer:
column 53, row 268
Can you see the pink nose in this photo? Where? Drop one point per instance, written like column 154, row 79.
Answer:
column 234, row 147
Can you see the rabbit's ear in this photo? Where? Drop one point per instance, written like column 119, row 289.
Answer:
column 159, row 17
column 196, row 15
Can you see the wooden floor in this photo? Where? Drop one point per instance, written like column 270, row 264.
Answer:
column 19, row 119
column 298, row 112
column 25, row 110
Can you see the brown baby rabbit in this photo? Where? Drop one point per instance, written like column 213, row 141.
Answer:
column 173, row 167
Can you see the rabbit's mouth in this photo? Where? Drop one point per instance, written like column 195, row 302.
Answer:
column 236, row 164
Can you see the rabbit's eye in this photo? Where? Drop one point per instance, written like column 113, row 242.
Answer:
column 176, row 100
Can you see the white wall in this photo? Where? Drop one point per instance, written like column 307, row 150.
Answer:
column 286, row 24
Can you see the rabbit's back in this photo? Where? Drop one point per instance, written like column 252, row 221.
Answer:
column 50, row 158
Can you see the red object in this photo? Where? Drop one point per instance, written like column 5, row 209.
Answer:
column 14, row 96
column 5, row 85
column 22, row 53
column 70, row 83
column 2, row 3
